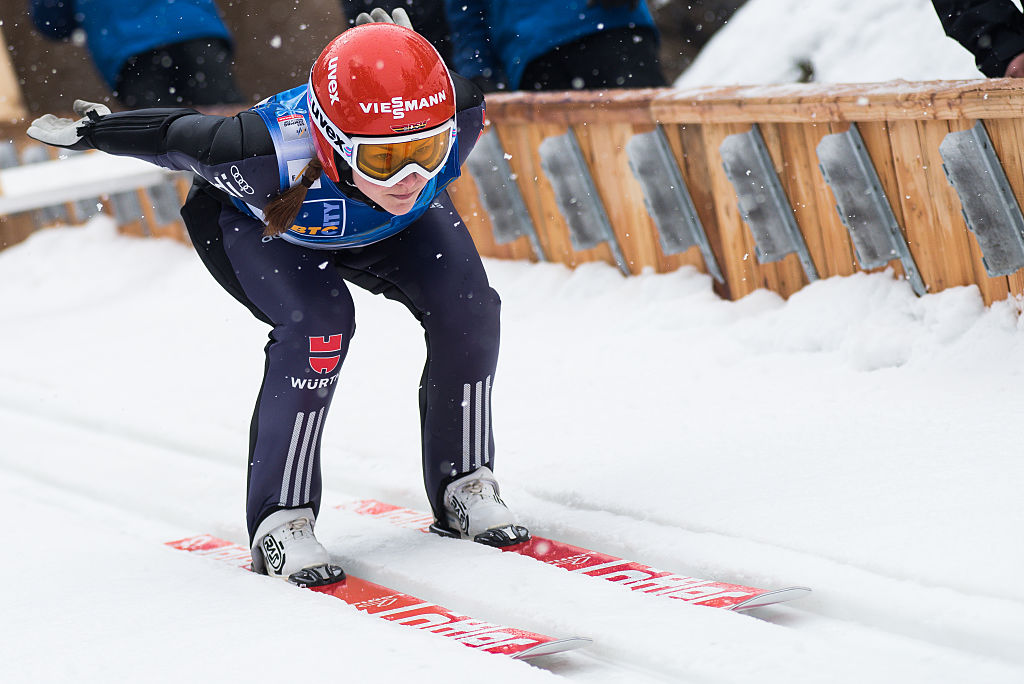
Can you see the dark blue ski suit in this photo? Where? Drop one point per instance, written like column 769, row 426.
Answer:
column 297, row 283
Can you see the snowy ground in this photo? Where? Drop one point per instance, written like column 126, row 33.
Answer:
column 855, row 439
column 766, row 41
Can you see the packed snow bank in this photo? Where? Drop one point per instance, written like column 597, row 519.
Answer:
column 767, row 41
column 854, row 438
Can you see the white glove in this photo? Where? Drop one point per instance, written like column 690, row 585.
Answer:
column 379, row 16
column 60, row 132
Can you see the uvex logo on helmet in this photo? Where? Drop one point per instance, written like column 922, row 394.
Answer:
column 332, row 80
column 398, row 106
column 321, row 122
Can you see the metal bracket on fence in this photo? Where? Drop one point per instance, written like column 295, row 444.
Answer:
column 667, row 199
column 88, row 207
column 762, row 202
column 48, row 215
column 986, row 198
column 862, row 205
column 576, row 195
column 8, row 155
column 128, row 209
column 166, row 204
column 499, row 194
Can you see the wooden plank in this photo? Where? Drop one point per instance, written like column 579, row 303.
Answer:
column 667, row 263
column 148, row 213
column 174, row 229
column 792, row 103
column 879, row 146
column 738, row 259
column 602, row 252
column 786, row 275
column 935, row 228
column 182, row 185
column 687, row 143
column 136, row 227
column 523, row 144
column 604, row 149
column 517, row 140
column 840, row 255
column 465, row 197
column 463, row 194
column 785, row 143
column 924, row 236
column 827, row 102
column 664, row 263
column 960, row 243
column 573, row 107
column 15, row 228
column 799, row 175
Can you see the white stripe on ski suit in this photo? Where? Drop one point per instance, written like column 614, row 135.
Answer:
column 309, row 466
column 304, row 469
column 466, row 394
column 476, row 424
column 296, row 431
column 306, row 452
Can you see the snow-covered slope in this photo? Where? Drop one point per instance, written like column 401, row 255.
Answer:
column 843, row 42
column 855, row 439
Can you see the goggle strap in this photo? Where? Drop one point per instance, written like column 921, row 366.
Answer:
column 326, row 127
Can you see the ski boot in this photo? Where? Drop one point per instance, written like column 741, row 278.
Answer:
column 475, row 511
column 285, row 547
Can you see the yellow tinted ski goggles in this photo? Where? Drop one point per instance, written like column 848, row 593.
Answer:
column 386, row 161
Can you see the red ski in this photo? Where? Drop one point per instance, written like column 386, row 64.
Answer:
column 382, row 602
column 636, row 576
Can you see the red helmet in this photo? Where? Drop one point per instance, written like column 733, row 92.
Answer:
column 377, row 80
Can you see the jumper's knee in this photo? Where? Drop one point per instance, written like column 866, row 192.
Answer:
column 470, row 321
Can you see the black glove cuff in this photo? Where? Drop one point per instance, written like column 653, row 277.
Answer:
column 136, row 132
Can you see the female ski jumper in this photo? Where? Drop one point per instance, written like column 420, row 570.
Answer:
column 297, row 281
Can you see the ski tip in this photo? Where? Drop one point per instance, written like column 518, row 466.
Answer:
column 770, row 598
column 553, row 647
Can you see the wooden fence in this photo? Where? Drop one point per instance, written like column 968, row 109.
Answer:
column 763, row 187
column 40, row 189
column 901, row 125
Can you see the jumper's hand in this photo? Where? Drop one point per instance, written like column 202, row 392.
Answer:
column 66, row 133
column 379, row 16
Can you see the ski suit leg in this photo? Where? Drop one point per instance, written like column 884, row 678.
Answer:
column 433, row 268
column 313, row 319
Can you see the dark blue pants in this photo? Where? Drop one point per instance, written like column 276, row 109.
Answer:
column 432, row 267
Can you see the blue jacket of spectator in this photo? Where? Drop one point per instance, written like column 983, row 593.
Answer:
column 491, row 37
column 116, row 30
